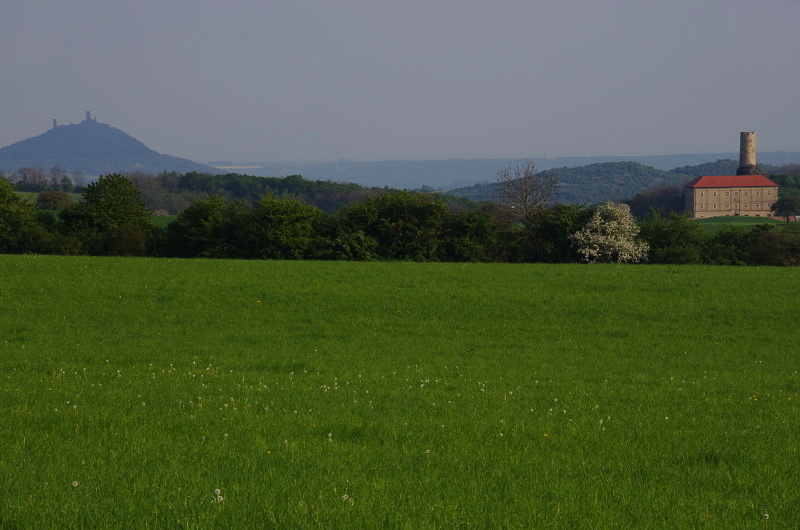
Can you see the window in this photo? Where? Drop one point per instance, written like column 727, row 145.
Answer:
column 701, row 193
column 715, row 205
column 769, row 192
column 715, row 194
column 727, row 194
column 728, row 206
column 758, row 192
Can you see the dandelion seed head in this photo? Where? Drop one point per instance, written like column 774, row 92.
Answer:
column 75, row 484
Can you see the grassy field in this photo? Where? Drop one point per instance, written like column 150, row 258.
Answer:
column 169, row 393
column 31, row 196
column 163, row 220
column 712, row 225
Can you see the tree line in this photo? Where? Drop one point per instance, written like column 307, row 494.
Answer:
column 112, row 219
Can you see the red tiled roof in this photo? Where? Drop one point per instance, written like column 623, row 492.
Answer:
column 730, row 181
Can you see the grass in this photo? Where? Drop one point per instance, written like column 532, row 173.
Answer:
column 396, row 394
column 162, row 220
column 712, row 225
column 31, row 196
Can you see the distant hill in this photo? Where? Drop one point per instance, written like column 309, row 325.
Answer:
column 592, row 183
column 459, row 173
column 615, row 181
column 94, row 149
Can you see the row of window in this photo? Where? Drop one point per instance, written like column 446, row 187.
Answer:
column 736, row 193
column 728, row 206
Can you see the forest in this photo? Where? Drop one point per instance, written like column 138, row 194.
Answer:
column 242, row 217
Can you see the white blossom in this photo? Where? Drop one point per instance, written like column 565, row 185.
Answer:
column 610, row 236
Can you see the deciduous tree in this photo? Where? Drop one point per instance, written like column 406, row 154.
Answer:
column 18, row 225
column 208, row 228
column 405, row 225
column 111, row 207
column 610, row 236
column 674, row 238
column 787, row 206
column 521, row 191
column 53, row 200
column 279, row 228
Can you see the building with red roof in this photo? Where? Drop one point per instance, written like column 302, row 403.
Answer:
column 713, row 196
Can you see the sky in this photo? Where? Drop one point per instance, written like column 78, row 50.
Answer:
column 323, row 80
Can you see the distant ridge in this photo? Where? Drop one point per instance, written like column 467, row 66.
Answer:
column 450, row 174
column 94, row 149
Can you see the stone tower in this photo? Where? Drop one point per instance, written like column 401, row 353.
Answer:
column 747, row 154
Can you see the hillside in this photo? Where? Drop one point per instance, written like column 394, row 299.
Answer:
column 611, row 180
column 592, row 183
column 94, row 149
column 459, row 173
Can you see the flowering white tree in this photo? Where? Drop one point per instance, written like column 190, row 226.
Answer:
column 610, row 236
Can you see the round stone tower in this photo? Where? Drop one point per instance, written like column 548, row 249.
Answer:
column 747, row 149
column 747, row 154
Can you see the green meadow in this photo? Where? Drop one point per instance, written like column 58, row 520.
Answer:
column 196, row 394
column 712, row 225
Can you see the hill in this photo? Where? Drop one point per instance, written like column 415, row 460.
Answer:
column 94, row 149
column 592, row 183
column 611, row 180
column 459, row 173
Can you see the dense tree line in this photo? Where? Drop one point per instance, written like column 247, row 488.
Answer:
column 35, row 178
column 173, row 192
column 112, row 219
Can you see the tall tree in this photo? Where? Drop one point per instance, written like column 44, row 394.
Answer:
column 550, row 233
column 787, row 206
column 111, row 218
column 521, row 191
column 279, row 228
column 207, row 228
column 403, row 225
column 56, row 177
column 17, row 220
column 114, row 201
column 675, row 238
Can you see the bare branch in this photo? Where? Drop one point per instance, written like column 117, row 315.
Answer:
column 522, row 190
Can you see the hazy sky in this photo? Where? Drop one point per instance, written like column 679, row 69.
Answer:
column 320, row 80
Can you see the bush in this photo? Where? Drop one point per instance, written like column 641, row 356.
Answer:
column 53, row 200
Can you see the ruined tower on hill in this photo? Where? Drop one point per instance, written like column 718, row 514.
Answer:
column 747, row 154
